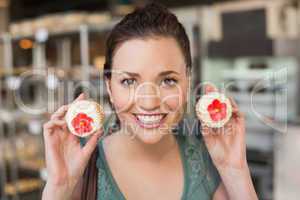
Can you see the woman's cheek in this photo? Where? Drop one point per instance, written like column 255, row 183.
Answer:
column 123, row 99
column 173, row 101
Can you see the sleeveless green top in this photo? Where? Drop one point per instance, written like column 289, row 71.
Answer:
column 201, row 178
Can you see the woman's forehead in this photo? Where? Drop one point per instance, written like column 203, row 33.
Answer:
column 142, row 55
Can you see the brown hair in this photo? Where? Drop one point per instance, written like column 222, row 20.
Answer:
column 151, row 20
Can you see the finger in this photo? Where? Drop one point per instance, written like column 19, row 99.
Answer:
column 60, row 112
column 235, row 109
column 238, row 114
column 53, row 123
column 204, row 130
column 73, row 138
column 207, row 131
column 91, row 144
column 240, row 118
column 208, row 137
column 210, row 88
column 221, row 131
column 233, row 104
column 228, row 126
column 80, row 97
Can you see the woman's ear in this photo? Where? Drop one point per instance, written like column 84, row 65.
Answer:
column 108, row 88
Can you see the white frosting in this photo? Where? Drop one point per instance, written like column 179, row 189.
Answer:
column 203, row 114
column 91, row 109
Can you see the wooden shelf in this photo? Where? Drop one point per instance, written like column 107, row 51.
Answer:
column 23, row 186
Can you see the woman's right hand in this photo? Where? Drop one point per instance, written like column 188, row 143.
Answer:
column 66, row 160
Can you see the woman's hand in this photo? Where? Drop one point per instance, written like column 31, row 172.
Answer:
column 66, row 160
column 227, row 148
column 226, row 145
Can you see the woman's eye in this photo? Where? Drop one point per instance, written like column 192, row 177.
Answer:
column 169, row 82
column 128, row 82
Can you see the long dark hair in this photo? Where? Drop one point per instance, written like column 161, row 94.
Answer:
column 151, row 20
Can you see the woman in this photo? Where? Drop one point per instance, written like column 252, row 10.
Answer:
column 147, row 70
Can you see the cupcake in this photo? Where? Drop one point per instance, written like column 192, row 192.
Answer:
column 84, row 117
column 214, row 110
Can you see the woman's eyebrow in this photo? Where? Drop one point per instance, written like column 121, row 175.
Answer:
column 160, row 74
column 168, row 72
column 131, row 74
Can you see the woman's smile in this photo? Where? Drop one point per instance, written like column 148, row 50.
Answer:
column 146, row 120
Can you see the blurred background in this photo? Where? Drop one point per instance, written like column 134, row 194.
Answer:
column 51, row 50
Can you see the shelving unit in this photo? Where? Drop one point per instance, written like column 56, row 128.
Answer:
column 21, row 173
column 253, row 54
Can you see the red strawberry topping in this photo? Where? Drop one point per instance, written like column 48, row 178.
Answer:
column 217, row 110
column 82, row 123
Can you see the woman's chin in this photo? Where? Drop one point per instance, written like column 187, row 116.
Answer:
column 149, row 136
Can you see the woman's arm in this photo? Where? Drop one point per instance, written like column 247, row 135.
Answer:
column 227, row 148
column 237, row 184
column 66, row 160
column 76, row 195
column 221, row 193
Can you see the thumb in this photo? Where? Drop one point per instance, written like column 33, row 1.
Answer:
column 209, row 136
column 80, row 97
column 91, row 144
column 210, row 88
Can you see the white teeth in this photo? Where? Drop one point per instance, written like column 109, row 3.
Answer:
column 150, row 119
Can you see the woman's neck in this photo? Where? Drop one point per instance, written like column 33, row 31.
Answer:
column 134, row 149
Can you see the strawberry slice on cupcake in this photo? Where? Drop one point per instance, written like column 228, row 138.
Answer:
column 84, row 117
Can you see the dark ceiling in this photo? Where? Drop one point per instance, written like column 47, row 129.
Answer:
column 25, row 9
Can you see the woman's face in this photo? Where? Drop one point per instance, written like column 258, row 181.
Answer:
column 148, row 86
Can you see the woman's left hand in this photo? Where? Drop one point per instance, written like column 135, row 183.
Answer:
column 226, row 145
column 227, row 148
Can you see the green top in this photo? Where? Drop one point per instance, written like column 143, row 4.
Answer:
column 201, row 178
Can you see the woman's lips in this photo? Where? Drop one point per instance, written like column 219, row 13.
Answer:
column 149, row 120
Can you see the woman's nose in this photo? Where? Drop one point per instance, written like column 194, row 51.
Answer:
column 147, row 96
